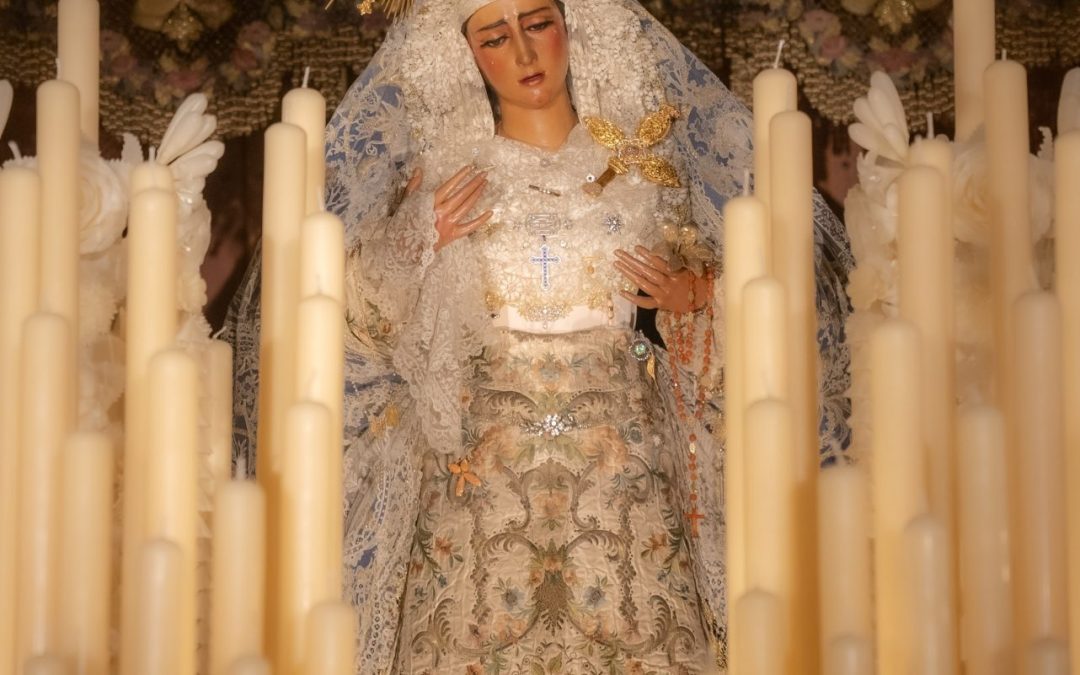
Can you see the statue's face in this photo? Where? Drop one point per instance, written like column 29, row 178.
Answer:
column 522, row 50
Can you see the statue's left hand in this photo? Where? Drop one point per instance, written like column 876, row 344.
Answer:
column 667, row 289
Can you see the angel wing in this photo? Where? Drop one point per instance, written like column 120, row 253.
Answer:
column 190, row 127
column 882, row 123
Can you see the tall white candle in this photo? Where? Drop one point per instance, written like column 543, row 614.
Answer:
column 844, row 555
column 761, row 649
column 283, row 210
column 1039, row 463
column 306, row 514
column 986, row 619
column 1067, row 287
column 46, row 664
column 928, row 613
column 150, row 174
column 1012, row 270
column 745, row 258
column 219, row 358
column 79, row 53
column 926, row 255
column 159, row 610
column 331, row 639
column 172, row 479
column 775, row 92
column 149, row 328
column 238, row 575
column 898, row 479
column 58, row 141
column 320, row 377
column 791, row 209
column 249, row 665
column 1048, row 656
column 765, row 348
column 849, row 655
column 973, row 51
column 20, row 195
column 85, row 568
column 48, row 416
column 322, row 256
column 306, row 108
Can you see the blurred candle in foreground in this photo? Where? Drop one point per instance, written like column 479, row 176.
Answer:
column 249, row 665
column 1067, row 287
column 1039, row 463
column 48, row 416
column 238, row 575
column 761, row 648
column 20, row 243
column 928, row 598
column 973, row 49
column 898, row 479
column 849, row 655
column 172, row 481
column 775, row 91
column 844, row 555
column 306, row 108
column 86, row 551
column 79, row 54
column 160, row 590
column 986, row 619
column 331, row 639
column 1048, row 656
column 46, row 664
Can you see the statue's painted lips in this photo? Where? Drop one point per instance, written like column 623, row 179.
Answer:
column 532, row 80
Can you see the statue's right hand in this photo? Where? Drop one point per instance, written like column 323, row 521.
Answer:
column 453, row 201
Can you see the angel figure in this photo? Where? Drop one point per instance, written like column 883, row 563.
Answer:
column 532, row 485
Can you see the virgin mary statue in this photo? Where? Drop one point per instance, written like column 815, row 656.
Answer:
column 532, row 486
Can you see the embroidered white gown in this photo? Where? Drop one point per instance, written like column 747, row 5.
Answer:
column 571, row 554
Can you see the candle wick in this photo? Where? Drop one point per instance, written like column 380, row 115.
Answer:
column 328, row 5
column 15, row 149
column 930, row 126
column 779, row 53
column 307, row 72
column 746, row 183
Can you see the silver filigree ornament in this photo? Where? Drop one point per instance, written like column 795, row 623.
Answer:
column 613, row 223
column 640, row 347
column 552, row 425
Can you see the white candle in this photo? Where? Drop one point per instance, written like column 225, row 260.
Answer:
column 172, row 479
column 775, row 92
column 791, row 209
column 219, row 383
column 150, row 327
column 238, row 575
column 320, row 377
column 849, row 655
column 761, row 649
column 929, row 613
column 973, row 51
column 844, row 555
column 1048, row 656
column 986, row 626
column 249, row 665
column 1067, row 287
column 20, row 195
column 150, row 174
column 926, row 255
column 159, row 610
column 79, row 53
column 322, row 256
column 898, row 479
column 283, row 211
column 1039, row 466
column 765, row 348
column 1012, row 271
column 306, row 108
column 85, row 568
column 745, row 258
column 306, row 515
column 58, row 142
column 48, row 416
column 46, row 664
column 331, row 639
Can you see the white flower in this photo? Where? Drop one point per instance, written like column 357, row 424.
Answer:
column 103, row 205
column 1041, row 178
column 882, row 125
column 970, row 214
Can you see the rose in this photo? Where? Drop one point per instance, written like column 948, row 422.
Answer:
column 833, row 47
column 103, row 203
column 244, row 59
column 971, row 214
